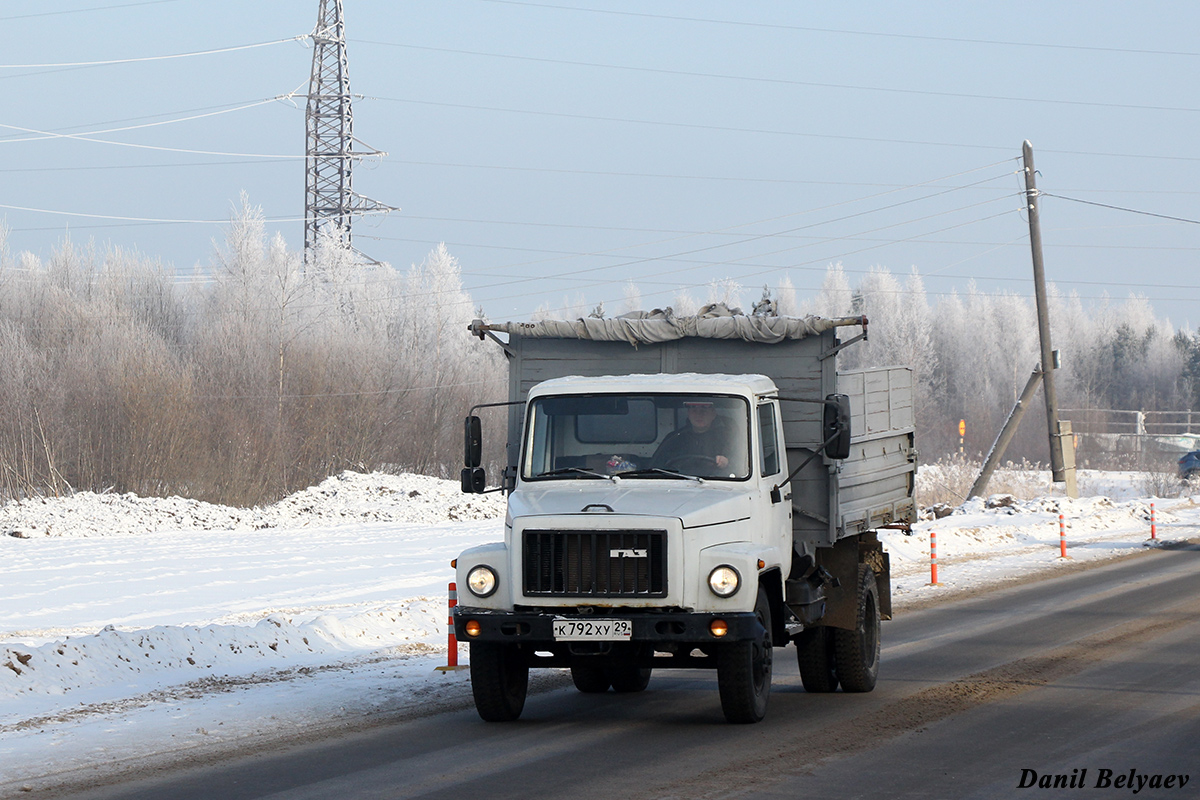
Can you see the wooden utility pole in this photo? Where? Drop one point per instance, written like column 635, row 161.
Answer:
column 1043, row 315
column 1006, row 434
column 1062, row 443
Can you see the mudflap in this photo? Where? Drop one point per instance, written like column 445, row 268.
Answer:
column 842, row 562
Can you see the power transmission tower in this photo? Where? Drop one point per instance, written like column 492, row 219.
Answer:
column 330, row 203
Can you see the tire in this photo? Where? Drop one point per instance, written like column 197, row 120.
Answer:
column 814, row 656
column 856, row 652
column 744, row 671
column 499, row 680
column 590, row 677
column 628, row 678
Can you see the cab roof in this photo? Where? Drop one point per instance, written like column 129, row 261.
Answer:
column 680, row 383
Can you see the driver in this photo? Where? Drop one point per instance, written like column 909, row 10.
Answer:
column 705, row 436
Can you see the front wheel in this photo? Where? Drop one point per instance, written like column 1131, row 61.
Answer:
column 856, row 652
column 499, row 680
column 744, row 670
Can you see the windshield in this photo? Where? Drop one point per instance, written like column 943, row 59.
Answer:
column 637, row 435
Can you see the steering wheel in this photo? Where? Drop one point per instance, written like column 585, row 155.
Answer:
column 691, row 458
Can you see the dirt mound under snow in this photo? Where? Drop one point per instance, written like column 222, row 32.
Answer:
column 350, row 497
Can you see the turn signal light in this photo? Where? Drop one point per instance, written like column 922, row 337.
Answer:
column 472, row 628
column 718, row 628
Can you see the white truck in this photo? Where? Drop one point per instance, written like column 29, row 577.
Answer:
column 686, row 492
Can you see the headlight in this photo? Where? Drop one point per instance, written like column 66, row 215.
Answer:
column 481, row 581
column 724, row 581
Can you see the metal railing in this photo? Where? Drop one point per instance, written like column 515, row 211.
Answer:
column 1141, row 423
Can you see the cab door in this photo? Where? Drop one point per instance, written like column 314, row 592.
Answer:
column 772, row 468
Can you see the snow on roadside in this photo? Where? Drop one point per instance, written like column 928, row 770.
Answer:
column 137, row 626
column 989, row 541
column 350, row 497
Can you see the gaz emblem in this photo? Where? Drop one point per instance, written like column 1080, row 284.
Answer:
column 626, row 553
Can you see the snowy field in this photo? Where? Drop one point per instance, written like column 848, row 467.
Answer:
column 138, row 629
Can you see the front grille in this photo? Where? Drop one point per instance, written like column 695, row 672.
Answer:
column 595, row 563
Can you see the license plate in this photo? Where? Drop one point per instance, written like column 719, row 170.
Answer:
column 592, row 630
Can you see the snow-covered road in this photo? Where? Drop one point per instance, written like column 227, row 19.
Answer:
column 134, row 629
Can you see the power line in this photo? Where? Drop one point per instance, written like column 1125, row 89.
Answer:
column 140, row 59
column 656, row 175
column 774, row 132
column 843, row 31
column 822, row 259
column 51, row 135
column 150, row 219
column 583, row 254
column 182, row 165
column 1121, row 208
column 757, row 236
column 85, row 10
column 693, row 126
column 163, row 114
column 676, row 256
column 745, row 240
column 786, row 81
column 81, row 138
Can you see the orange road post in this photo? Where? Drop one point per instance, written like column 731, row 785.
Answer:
column 933, row 581
column 451, row 639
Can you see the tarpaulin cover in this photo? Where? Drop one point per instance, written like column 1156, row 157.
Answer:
column 662, row 325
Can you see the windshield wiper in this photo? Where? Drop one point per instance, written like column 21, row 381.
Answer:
column 574, row 470
column 670, row 473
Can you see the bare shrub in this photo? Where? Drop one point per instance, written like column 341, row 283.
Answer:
column 948, row 480
column 1162, row 483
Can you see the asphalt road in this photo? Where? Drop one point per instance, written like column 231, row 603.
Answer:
column 1092, row 671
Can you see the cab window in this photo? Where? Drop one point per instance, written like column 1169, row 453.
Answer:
column 768, row 439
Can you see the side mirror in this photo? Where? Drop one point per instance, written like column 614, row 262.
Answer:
column 474, row 480
column 837, row 426
column 473, row 438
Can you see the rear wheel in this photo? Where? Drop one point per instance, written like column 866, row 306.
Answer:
column 499, row 680
column 814, row 655
column 744, row 670
column 629, row 678
column 856, row 652
column 590, row 677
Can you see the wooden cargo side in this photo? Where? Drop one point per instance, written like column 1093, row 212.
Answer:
column 876, row 481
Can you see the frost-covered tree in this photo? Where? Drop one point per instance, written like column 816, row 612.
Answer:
column 684, row 304
column 633, row 298
column 835, row 298
column 447, row 370
column 785, row 298
column 727, row 291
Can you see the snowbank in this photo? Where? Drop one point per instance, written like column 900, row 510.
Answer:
column 346, row 498
column 1001, row 538
column 135, row 626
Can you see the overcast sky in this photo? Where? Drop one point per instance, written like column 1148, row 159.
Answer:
column 562, row 149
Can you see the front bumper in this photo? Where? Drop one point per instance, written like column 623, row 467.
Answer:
column 649, row 627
